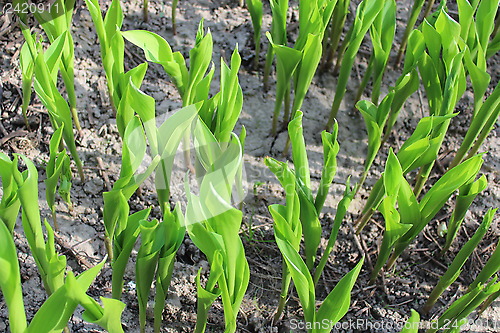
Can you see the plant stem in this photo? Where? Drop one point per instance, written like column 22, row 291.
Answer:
column 343, row 48
column 54, row 218
column 361, row 223
column 109, row 247
column 391, row 261
column 342, row 208
column 26, row 92
column 267, row 67
column 337, row 25
column 376, row 196
column 421, row 178
column 74, row 114
column 286, row 116
column 174, row 15
column 285, row 286
column 366, row 79
column 412, row 19
column 488, row 302
column 257, row 52
column 145, row 10
column 428, row 9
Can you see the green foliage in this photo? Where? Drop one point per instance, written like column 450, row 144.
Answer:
column 50, row 266
column 256, row 12
column 213, row 226
column 301, row 61
column 404, row 224
column 366, row 13
column 279, row 10
column 467, row 194
column 454, row 269
column 297, row 185
column 412, row 324
column 219, row 112
column 418, row 150
column 481, row 125
column 64, row 290
column 336, row 304
column 375, row 120
column 456, row 314
column 56, row 21
column 112, row 56
column 27, row 72
column 288, row 232
column 10, row 280
column 58, row 174
column 289, row 215
column 10, row 204
column 382, row 37
column 46, row 65
column 491, row 267
column 442, row 53
column 331, row 39
column 410, row 24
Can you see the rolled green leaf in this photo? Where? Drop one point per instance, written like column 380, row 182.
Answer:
column 382, row 36
column 412, row 324
column 147, row 260
column 10, row 281
column 55, row 21
column 309, row 216
column 173, row 228
column 467, row 194
column 207, row 295
column 330, row 150
column 256, row 12
column 231, row 99
column 27, row 72
column 288, row 60
column 412, row 19
column 279, row 10
column 122, row 249
column 436, row 197
column 27, row 183
column 418, row 150
column 491, row 267
column 366, row 13
column 213, row 225
column 56, row 311
column 338, row 301
column 58, row 171
column 454, row 269
column 46, row 66
column 10, row 204
column 311, row 55
column 480, row 127
column 375, row 118
column 288, row 215
column 462, row 307
column 394, row 229
column 342, row 207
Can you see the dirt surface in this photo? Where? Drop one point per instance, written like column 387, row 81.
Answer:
column 382, row 307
